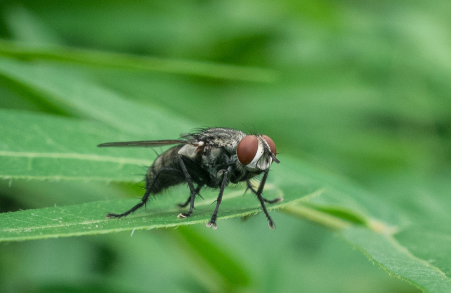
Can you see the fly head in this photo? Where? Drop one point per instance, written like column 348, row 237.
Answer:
column 256, row 152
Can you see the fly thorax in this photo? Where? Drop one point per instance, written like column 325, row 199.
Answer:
column 210, row 155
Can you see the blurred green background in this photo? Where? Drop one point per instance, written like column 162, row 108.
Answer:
column 356, row 88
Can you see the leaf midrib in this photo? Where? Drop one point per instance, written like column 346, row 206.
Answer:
column 77, row 156
column 401, row 249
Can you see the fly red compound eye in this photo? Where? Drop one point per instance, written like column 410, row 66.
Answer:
column 247, row 149
column 271, row 144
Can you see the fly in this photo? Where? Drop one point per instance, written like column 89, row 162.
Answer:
column 210, row 157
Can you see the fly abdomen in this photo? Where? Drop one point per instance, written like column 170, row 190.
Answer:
column 165, row 171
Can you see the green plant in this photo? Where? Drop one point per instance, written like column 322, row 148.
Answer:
column 355, row 91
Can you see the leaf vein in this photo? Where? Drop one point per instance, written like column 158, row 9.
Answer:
column 77, row 156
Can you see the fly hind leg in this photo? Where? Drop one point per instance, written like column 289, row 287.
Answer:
column 183, row 205
column 150, row 184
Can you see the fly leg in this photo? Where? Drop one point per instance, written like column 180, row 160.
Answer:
column 249, row 186
column 193, row 191
column 218, row 200
column 182, row 205
column 189, row 200
column 145, row 198
column 262, row 199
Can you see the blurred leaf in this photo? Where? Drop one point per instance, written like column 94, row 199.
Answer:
column 396, row 259
column 75, row 94
column 69, row 288
column 27, row 27
column 213, row 257
column 134, row 62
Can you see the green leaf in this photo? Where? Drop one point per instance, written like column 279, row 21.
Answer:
column 36, row 146
column 131, row 62
column 89, row 218
column 78, row 96
column 230, row 270
column 397, row 260
column 46, row 147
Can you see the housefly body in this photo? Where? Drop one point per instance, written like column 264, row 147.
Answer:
column 211, row 157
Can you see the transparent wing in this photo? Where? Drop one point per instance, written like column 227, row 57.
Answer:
column 143, row 143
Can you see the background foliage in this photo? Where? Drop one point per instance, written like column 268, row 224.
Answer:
column 355, row 95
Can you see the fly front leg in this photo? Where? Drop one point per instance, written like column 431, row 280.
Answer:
column 249, row 186
column 219, row 199
column 193, row 191
column 262, row 200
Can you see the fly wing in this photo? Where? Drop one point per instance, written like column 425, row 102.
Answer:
column 143, row 143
